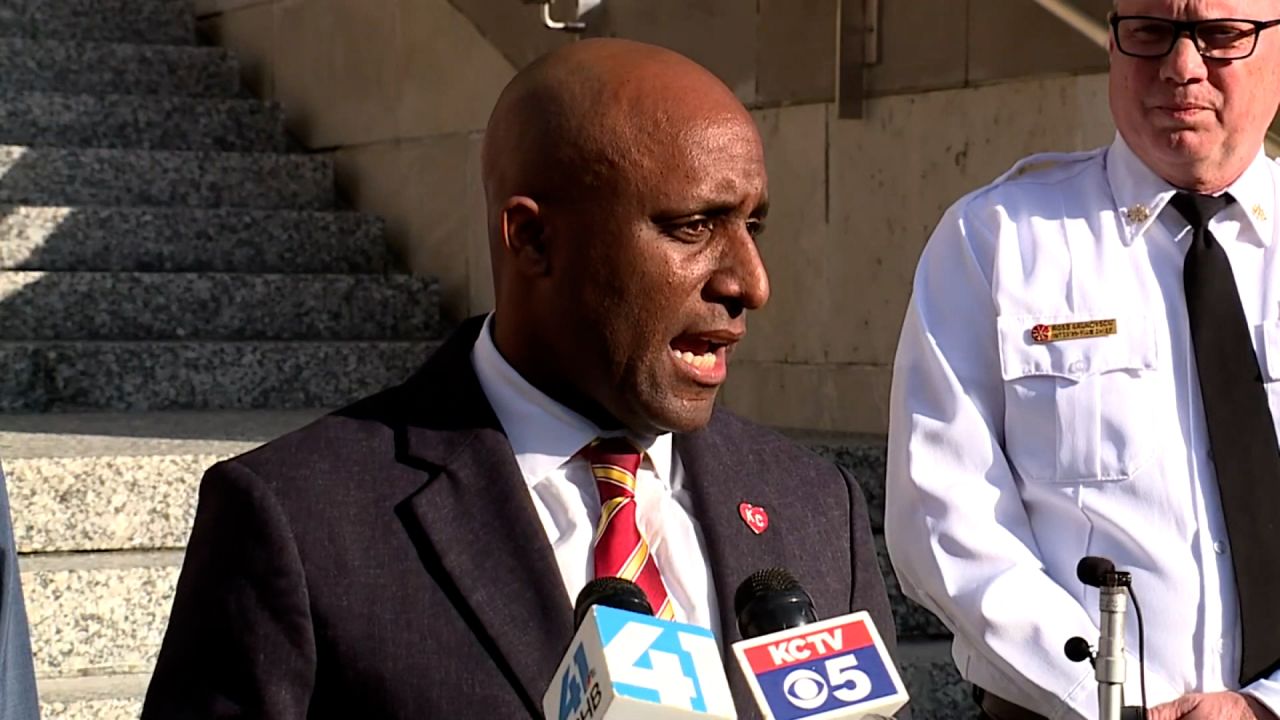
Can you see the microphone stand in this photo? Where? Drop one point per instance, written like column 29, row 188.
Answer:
column 1108, row 662
column 1109, row 668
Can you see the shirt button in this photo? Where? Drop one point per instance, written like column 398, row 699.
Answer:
column 1220, row 547
column 1218, row 646
column 1078, row 367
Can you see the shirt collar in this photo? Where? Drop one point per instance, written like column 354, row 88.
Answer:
column 544, row 434
column 1141, row 195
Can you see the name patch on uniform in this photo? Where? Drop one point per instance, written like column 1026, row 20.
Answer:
column 1073, row 331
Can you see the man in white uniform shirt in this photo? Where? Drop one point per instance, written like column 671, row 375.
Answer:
column 1090, row 365
column 417, row 554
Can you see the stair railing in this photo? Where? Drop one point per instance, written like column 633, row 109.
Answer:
column 576, row 25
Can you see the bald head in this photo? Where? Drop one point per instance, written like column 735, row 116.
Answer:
column 626, row 186
column 575, row 122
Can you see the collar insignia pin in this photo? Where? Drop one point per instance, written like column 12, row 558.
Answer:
column 1137, row 214
column 754, row 516
column 1259, row 213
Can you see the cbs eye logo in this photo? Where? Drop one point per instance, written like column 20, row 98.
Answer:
column 808, row 690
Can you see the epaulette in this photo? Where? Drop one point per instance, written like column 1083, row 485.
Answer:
column 1042, row 162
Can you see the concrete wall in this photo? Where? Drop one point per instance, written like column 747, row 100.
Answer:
column 400, row 90
column 852, row 204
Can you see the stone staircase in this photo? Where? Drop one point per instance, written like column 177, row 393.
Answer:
column 176, row 287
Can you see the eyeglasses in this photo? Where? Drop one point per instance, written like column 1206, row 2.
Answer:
column 1219, row 39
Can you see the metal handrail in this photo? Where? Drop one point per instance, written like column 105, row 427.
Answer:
column 569, row 26
column 574, row 26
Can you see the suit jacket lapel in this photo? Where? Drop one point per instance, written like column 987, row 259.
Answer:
column 720, row 475
column 475, row 526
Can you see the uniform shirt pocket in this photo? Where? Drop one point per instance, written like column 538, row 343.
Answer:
column 1077, row 410
column 1267, row 337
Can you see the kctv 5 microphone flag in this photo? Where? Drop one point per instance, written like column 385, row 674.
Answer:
column 801, row 669
column 625, row 664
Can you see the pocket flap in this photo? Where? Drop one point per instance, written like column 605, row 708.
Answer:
column 1269, row 350
column 1132, row 347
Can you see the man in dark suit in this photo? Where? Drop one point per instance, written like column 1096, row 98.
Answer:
column 416, row 555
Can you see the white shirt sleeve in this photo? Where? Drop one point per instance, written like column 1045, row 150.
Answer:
column 956, row 528
column 1267, row 692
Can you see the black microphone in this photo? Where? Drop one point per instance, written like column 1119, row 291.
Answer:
column 1078, row 649
column 798, row 666
column 1097, row 571
column 769, row 601
column 611, row 592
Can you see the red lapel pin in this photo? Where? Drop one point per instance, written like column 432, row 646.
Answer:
column 754, row 516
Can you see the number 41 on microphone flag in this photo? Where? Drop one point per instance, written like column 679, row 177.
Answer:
column 626, row 666
column 829, row 670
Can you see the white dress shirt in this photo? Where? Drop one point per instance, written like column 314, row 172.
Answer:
column 546, row 438
column 1010, row 460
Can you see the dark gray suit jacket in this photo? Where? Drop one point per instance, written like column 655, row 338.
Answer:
column 17, row 673
column 387, row 561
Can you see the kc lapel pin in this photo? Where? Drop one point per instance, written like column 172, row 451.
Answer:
column 754, row 516
column 1042, row 334
column 1259, row 212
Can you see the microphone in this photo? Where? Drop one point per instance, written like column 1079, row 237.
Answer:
column 625, row 663
column 1108, row 662
column 611, row 592
column 799, row 667
column 1095, row 571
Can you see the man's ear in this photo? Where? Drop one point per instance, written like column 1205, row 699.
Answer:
column 524, row 233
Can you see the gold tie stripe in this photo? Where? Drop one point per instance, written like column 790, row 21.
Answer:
column 620, row 549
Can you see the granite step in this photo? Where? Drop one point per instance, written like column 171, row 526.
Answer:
column 146, row 122
column 102, row 615
column 106, row 697
column 190, row 240
column 937, row 691
column 94, row 614
column 86, row 482
column 150, row 375
column 133, row 21
column 55, row 176
column 116, row 69
column 216, row 306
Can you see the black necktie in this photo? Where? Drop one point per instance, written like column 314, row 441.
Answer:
column 1241, row 433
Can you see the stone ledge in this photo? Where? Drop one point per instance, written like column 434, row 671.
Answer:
column 190, row 240
column 147, row 122
column 105, row 503
column 115, row 68
column 152, row 376
column 129, row 306
column 110, row 481
column 102, row 687
column 57, row 176
column 936, row 688
column 121, row 21
column 98, row 614
column 95, row 709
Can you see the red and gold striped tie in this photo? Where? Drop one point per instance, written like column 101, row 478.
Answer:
column 621, row 551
